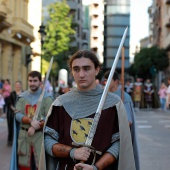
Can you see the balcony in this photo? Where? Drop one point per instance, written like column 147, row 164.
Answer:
column 3, row 23
column 3, row 15
column 95, row 22
column 167, row 43
column 167, row 2
column 22, row 30
column 167, row 23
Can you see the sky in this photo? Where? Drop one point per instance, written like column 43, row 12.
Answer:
column 139, row 22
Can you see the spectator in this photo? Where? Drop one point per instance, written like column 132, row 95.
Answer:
column 6, row 90
column 168, row 95
column 2, row 102
column 148, row 93
column 10, row 113
column 162, row 95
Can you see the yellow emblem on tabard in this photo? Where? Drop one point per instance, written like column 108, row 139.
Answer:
column 80, row 129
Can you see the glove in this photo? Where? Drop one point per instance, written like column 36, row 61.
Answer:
column 35, row 124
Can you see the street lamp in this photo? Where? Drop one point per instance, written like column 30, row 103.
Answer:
column 42, row 33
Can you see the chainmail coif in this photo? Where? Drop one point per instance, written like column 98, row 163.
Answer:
column 80, row 104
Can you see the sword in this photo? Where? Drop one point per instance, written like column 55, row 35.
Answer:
column 31, row 130
column 35, row 117
column 95, row 122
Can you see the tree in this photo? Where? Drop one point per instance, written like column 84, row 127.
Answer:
column 59, row 33
column 149, row 61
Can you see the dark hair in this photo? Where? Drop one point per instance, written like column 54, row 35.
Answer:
column 85, row 54
column 7, row 81
column 34, row 74
column 115, row 76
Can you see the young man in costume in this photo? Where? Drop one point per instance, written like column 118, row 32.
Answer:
column 148, row 93
column 70, row 118
column 130, row 113
column 27, row 142
column 137, row 93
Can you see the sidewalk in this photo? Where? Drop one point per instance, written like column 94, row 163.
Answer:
column 5, row 151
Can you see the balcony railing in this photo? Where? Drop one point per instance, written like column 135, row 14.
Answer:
column 167, row 22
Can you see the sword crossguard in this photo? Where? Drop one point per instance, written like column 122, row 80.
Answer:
column 93, row 150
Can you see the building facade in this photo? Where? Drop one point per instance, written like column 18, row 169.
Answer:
column 17, row 33
column 97, row 28
column 159, row 28
column 117, row 18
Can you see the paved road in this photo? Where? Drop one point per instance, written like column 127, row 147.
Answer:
column 5, row 151
column 153, row 135
column 154, row 139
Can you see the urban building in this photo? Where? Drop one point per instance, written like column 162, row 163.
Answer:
column 18, row 38
column 145, row 42
column 159, row 29
column 116, row 19
column 86, row 28
column 97, row 28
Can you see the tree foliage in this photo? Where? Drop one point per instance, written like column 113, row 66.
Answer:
column 59, row 33
column 149, row 61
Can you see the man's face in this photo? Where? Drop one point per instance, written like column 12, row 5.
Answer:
column 34, row 83
column 84, row 73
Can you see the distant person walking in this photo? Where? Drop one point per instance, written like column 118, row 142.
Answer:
column 168, row 95
column 162, row 95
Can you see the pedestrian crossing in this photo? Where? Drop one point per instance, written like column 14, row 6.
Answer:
column 145, row 124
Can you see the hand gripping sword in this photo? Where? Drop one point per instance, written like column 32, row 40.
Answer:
column 37, row 111
column 95, row 122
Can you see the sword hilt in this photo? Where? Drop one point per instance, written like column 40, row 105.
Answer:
column 93, row 150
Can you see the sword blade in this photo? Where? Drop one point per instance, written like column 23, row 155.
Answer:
column 43, row 91
column 103, row 98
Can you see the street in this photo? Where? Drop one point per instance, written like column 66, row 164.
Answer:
column 153, row 135
column 154, row 139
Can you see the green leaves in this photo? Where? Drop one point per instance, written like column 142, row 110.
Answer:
column 148, row 61
column 58, row 32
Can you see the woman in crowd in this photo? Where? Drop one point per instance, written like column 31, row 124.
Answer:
column 162, row 95
column 11, row 109
column 6, row 90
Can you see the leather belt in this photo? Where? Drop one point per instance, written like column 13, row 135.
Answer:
column 26, row 129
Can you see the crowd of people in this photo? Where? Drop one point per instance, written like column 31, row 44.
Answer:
column 146, row 95
column 51, row 134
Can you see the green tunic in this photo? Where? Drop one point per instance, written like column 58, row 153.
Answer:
column 27, row 107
